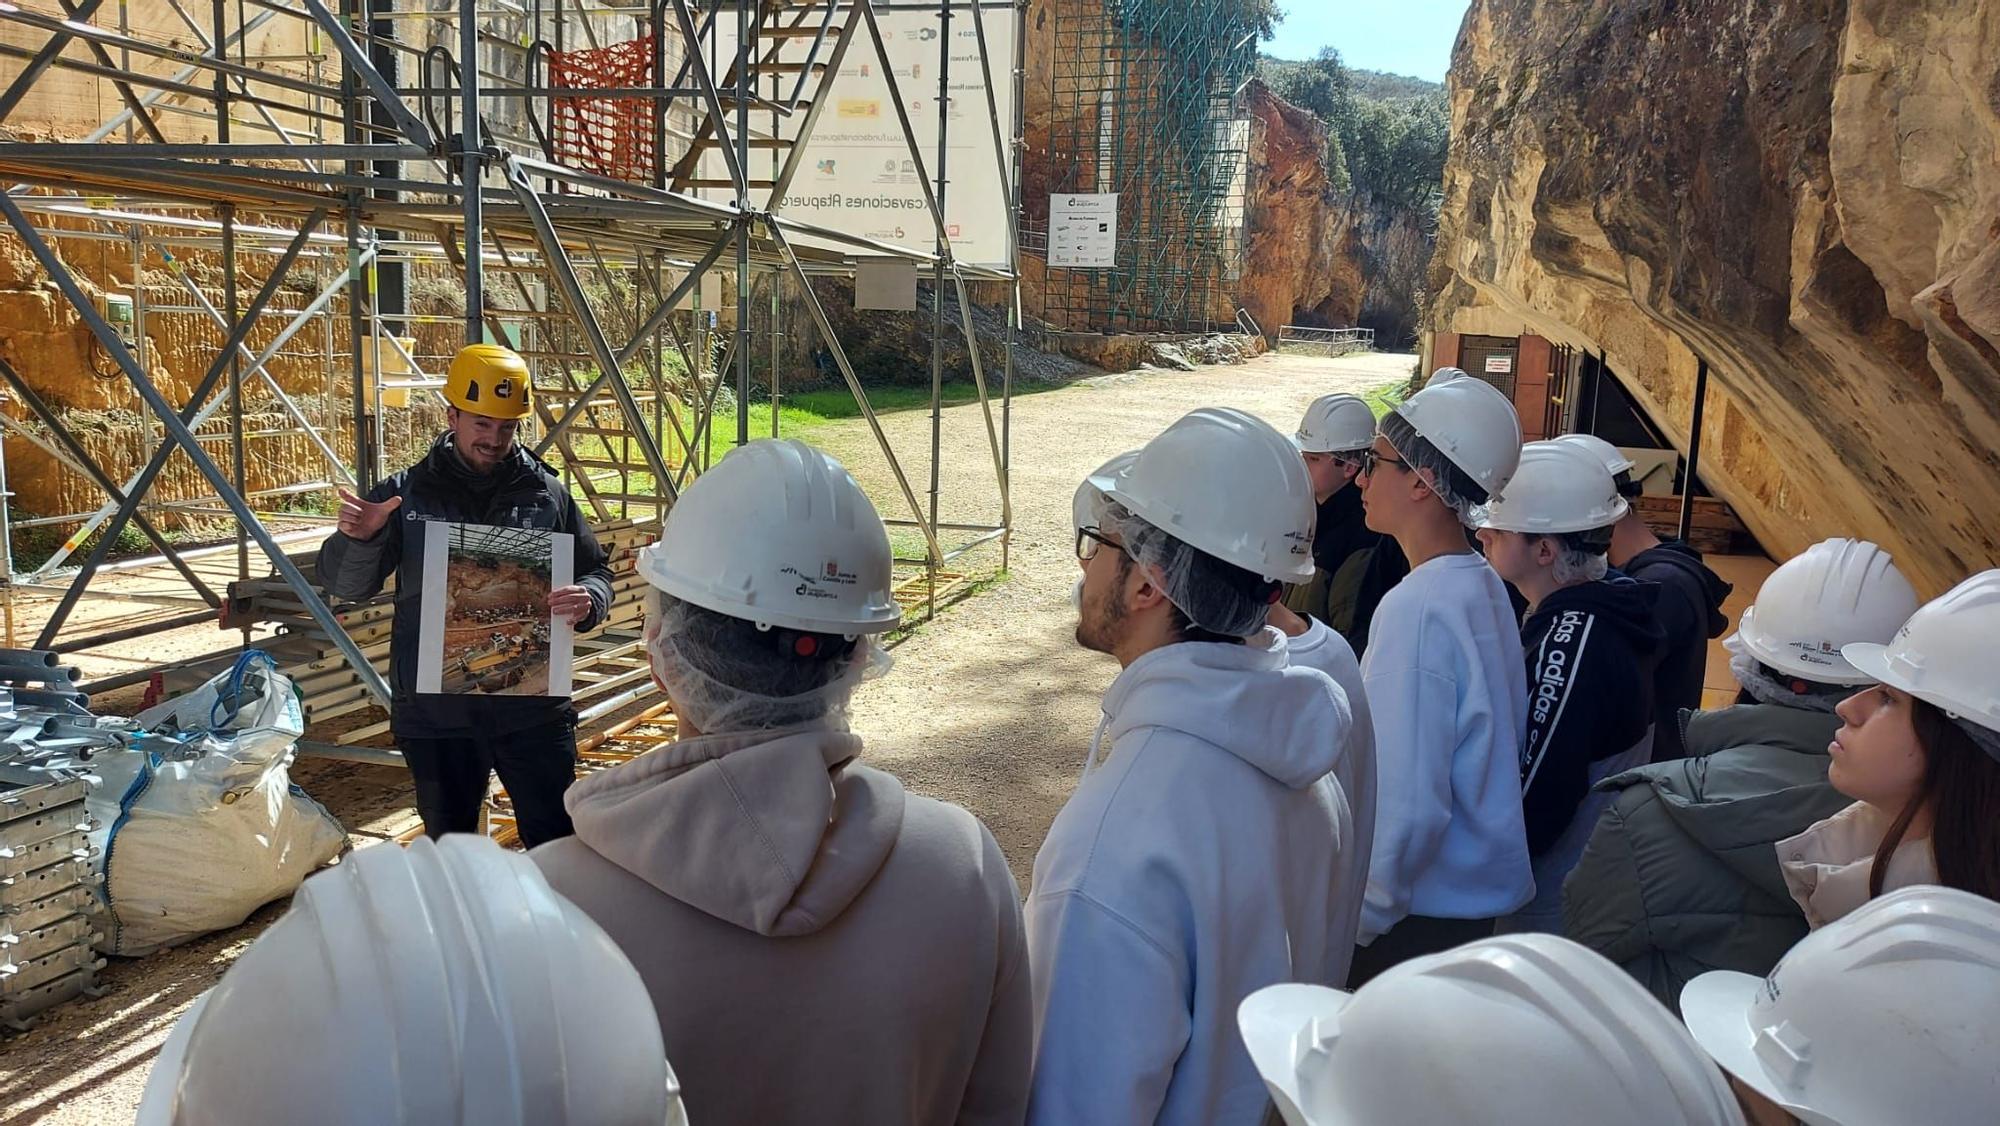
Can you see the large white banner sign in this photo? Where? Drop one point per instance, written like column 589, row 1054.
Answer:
column 857, row 174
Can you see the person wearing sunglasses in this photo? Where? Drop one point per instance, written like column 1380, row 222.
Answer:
column 1446, row 682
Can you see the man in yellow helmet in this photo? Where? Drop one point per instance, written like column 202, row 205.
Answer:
column 475, row 473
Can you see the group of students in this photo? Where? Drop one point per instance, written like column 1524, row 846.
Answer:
column 1276, row 885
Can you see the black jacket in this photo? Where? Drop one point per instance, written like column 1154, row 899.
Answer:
column 1690, row 611
column 1591, row 653
column 523, row 492
column 1356, row 567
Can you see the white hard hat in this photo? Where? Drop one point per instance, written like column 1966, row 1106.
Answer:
column 442, row 983
column 1558, row 487
column 779, row 534
column 1445, row 375
column 1083, row 506
column 1887, row 1016
column 1946, row 653
column 1336, row 424
column 1519, row 1028
column 1611, row 456
column 1472, row 424
column 1828, row 596
column 1228, row 485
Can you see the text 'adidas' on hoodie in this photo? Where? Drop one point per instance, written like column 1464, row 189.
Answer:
column 1446, row 682
column 1591, row 651
column 821, row 946
column 1197, row 863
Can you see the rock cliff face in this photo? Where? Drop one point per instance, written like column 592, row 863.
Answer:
column 1310, row 256
column 1299, row 243
column 1803, row 192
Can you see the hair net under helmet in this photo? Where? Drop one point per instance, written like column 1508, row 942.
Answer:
column 727, row 674
column 1218, row 597
column 1452, row 485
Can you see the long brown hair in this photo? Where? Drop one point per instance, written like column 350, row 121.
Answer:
column 1962, row 787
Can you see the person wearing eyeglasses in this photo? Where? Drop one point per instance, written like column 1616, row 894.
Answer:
column 1447, row 683
column 1356, row 565
column 1202, row 854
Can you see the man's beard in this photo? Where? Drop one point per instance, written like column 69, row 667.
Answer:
column 1097, row 625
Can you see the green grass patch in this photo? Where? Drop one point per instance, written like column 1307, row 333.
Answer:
column 33, row 546
column 801, row 415
column 1386, row 398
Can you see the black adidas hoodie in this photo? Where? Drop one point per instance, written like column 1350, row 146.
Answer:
column 1690, row 611
column 1592, row 650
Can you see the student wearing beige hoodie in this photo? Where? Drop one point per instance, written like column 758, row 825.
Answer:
column 1920, row 754
column 821, row 945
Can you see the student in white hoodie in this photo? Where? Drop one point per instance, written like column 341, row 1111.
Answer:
column 1200, row 857
column 1309, row 643
column 1447, row 682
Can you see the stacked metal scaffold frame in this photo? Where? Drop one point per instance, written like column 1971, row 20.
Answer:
column 1145, row 101
column 434, row 162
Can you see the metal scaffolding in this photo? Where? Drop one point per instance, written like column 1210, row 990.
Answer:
column 1146, row 101
column 372, row 159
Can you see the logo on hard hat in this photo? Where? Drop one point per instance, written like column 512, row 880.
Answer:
column 832, row 569
column 504, row 388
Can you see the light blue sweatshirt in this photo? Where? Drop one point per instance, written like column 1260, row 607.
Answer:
column 1447, row 684
column 1199, row 862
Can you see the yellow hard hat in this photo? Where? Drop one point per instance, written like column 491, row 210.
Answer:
column 490, row 380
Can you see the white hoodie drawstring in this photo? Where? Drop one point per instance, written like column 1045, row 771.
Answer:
column 1096, row 741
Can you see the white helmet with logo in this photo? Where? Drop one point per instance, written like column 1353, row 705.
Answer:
column 779, row 534
column 1085, row 505
column 1613, row 458
column 442, row 984
column 1515, row 1029
column 1946, row 653
column 1228, row 485
column 1336, row 424
column 1557, row 488
column 1473, row 425
column 1887, row 1016
column 1830, row 595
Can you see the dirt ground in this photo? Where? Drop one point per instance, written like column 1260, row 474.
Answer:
column 990, row 706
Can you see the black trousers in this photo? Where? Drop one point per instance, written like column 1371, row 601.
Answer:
column 1413, row 937
column 535, row 765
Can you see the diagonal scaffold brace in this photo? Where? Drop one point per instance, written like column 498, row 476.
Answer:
column 181, row 436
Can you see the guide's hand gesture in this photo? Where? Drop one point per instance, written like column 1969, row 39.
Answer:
column 570, row 603
column 363, row 519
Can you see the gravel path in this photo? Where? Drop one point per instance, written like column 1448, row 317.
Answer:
column 991, row 706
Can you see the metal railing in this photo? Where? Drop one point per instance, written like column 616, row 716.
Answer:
column 1326, row 341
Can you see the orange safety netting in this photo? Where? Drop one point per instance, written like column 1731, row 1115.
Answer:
column 609, row 135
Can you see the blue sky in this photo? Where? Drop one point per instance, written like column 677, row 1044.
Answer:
column 1412, row 37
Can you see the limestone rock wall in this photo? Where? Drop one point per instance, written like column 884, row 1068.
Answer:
column 1312, row 256
column 1803, row 192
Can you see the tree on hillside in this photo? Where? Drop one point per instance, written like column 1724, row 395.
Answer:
column 1391, row 150
column 1321, row 85
column 1264, row 16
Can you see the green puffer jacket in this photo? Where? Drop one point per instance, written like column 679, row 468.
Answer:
column 1681, row 876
